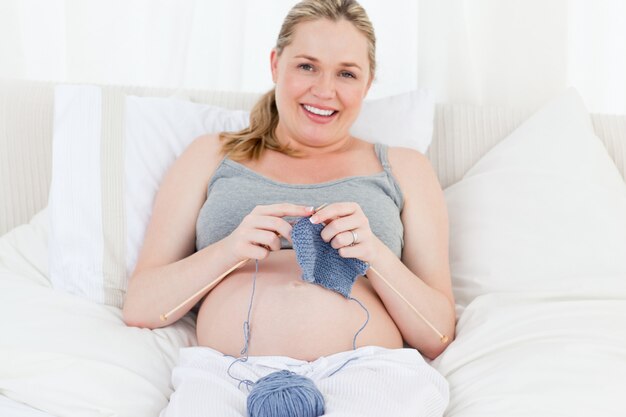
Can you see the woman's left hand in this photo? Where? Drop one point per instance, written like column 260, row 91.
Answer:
column 348, row 230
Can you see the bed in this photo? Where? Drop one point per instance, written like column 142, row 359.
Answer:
column 537, row 206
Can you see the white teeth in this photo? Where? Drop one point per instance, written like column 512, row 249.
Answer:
column 317, row 111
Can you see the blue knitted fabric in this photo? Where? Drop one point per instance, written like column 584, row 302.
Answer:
column 320, row 262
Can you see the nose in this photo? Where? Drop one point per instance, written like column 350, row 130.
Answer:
column 324, row 87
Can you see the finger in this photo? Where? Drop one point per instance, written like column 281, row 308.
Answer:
column 283, row 209
column 349, row 252
column 264, row 238
column 337, row 226
column 273, row 224
column 257, row 252
column 333, row 211
column 344, row 239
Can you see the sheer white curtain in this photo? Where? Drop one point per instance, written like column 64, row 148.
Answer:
column 177, row 43
column 597, row 53
column 511, row 52
column 522, row 52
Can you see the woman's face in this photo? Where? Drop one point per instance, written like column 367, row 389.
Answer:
column 321, row 79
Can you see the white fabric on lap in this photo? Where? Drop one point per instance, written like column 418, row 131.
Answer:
column 376, row 382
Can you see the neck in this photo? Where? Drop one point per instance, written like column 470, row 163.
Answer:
column 312, row 150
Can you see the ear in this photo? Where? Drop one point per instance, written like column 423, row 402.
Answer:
column 274, row 65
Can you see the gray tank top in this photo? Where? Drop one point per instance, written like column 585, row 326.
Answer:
column 234, row 190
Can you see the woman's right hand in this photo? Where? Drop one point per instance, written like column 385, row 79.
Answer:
column 260, row 231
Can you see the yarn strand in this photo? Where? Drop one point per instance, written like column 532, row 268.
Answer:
column 246, row 334
column 364, row 324
column 246, row 324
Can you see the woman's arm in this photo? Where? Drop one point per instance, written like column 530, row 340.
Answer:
column 423, row 274
column 167, row 270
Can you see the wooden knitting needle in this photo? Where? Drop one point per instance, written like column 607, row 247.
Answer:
column 444, row 338
column 206, row 288
column 217, row 281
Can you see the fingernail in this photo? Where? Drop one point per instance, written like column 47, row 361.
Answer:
column 310, row 208
column 313, row 219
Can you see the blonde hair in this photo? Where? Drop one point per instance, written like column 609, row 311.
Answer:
column 250, row 142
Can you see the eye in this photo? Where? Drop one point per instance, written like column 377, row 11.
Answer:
column 306, row 67
column 347, row 74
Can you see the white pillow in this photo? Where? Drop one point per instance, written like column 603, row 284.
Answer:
column 544, row 210
column 403, row 120
column 537, row 245
column 103, row 189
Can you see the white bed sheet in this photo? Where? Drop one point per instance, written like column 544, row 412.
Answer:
column 540, row 354
column 11, row 408
column 69, row 356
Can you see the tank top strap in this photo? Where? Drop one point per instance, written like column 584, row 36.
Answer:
column 381, row 153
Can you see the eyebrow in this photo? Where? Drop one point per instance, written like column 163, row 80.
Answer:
column 313, row 59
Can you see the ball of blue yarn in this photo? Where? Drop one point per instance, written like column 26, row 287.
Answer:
column 285, row 394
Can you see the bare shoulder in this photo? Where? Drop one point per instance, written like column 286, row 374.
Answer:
column 205, row 151
column 405, row 155
column 411, row 168
column 196, row 164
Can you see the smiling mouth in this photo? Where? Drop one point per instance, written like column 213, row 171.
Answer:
column 318, row 112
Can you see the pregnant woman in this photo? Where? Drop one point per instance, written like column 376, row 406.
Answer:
column 236, row 196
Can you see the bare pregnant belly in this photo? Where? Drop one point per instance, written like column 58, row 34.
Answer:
column 289, row 316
